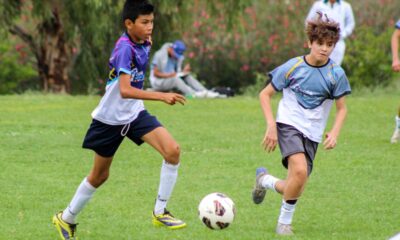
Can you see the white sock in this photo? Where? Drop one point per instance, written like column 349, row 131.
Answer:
column 397, row 122
column 168, row 176
column 82, row 195
column 287, row 211
column 269, row 181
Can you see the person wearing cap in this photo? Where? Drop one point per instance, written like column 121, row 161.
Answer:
column 167, row 73
column 340, row 12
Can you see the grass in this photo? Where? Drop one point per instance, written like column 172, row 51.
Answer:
column 352, row 193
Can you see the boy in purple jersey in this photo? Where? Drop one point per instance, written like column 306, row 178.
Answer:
column 396, row 67
column 310, row 85
column 121, row 113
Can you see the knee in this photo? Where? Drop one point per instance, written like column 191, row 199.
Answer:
column 172, row 154
column 300, row 175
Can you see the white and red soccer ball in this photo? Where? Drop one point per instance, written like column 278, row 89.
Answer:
column 217, row 211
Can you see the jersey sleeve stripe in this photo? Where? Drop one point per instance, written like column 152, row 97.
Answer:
column 300, row 60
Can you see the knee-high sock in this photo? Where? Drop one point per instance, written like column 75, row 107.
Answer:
column 287, row 211
column 82, row 196
column 168, row 176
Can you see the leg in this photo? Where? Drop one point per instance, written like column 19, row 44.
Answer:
column 194, row 83
column 65, row 221
column 169, row 84
column 98, row 175
column 396, row 134
column 292, row 190
column 100, row 170
column 162, row 141
column 297, row 177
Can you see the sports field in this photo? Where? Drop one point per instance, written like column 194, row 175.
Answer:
column 353, row 192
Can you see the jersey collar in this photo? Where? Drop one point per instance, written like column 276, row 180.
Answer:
column 337, row 1
column 146, row 43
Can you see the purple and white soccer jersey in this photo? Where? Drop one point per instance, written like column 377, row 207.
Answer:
column 129, row 58
column 397, row 24
column 308, row 94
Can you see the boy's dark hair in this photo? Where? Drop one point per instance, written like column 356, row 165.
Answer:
column 134, row 8
column 319, row 29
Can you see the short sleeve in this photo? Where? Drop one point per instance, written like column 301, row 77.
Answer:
column 398, row 24
column 280, row 76
column 156, row 60
column 122, row 60
column 342, row 87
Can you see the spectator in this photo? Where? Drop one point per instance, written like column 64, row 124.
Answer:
column 340, row 12
column 396, row 67
column 167, row 73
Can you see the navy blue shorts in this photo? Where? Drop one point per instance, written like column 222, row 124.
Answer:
column 105, row 139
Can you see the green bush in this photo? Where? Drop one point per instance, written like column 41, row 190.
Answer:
column 260, row 83
column 368, row 58
column 15, row 75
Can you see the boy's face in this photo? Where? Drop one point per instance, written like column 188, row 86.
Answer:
column 141, row 29
column 321, row 50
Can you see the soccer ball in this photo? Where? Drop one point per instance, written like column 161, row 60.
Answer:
column 217, row 211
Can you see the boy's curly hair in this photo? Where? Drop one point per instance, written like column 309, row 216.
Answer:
column 319, row 29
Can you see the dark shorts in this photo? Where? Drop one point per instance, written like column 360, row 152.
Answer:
column 105, row 139
column 292, row 141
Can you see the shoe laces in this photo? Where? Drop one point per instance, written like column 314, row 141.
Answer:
column 166, row 212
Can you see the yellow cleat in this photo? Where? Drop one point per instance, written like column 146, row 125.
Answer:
column 66, row 230
column 167, row 220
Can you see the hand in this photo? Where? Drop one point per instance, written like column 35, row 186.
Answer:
column 270, row 139
column 396, row 65
column 187, row 68
column 330, row 141
column 172, row 98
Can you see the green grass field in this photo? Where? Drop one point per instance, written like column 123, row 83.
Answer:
column 353, row 192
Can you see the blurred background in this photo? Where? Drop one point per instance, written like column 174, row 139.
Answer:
column 63, row 46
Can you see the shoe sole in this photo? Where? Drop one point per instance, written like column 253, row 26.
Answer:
column 57, row 226
column 258, row 200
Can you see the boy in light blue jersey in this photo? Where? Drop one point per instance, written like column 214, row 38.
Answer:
column 310, row 85
column 396, row 67
column 121, row 113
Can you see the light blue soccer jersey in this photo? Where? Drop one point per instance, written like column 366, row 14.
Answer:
column 398, row 24
column 308, row 94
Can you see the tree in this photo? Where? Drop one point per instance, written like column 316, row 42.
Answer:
column 71, row 35
column 53, row 30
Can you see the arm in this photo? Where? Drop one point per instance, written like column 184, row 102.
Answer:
column 349, row 22
column 395, row 50
column 271, row 137
column 332, row 135
column 127, row 91
column 159, row 74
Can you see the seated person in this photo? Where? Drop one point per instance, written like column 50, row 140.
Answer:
column 167, row 73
